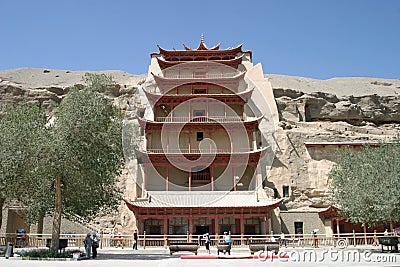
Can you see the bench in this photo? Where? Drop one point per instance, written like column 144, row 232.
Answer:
column 188, row 246
column 389, row 241
column 255, row 246
column 224, row 247
column 61, row 245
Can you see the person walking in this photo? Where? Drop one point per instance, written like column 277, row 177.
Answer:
column 207, row 242
column 95, row 245
column 283, row 240
column 88, row 245
column 315, row 238
column 135, row 240
column 227, row 237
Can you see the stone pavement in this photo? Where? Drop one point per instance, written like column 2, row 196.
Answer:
column 112, row 257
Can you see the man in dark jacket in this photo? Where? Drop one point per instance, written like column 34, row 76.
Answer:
column 88, row 245
column 96, row 242
column 135, row 240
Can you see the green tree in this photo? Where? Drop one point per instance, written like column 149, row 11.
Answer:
column 366, row 184
column 102, row 83
column 77, row 165
column 23, row 132
column 88, row 156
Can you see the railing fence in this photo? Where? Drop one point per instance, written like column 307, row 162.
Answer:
column 146, row 241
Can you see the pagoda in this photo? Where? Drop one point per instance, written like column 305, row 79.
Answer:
column 201, row 163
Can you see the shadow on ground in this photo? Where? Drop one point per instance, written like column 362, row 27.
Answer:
column 113, row 256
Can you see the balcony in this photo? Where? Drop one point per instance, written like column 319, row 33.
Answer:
column 211, row 151
column 200, row 177
column 201, row 75
column 210, row 119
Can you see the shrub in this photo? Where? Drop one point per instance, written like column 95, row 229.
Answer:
column 46, row 253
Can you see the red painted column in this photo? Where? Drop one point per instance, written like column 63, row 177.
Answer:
column 165, row 225
column 146, row 142
column 207, row 108
column 210, row 142
column 225, row 111
column 216, row 225
column 167, row 141
column 189, row 141
column 254, row 141
column 338, row 227
column 138, row 224
column 267, row 223
column 190, row 181
column 167, row 179
column 144, row 180
column 212, row 177
column 242, row 228
column 190, row 110
column 234, row 178
column 190, row 225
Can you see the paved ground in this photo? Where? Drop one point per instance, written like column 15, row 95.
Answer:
column 367, row 256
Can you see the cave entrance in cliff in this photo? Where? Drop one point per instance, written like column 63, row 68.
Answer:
column 307, row 113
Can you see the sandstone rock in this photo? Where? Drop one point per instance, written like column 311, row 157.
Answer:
column 334, row 110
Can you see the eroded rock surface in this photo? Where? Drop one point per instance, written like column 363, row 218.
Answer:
column 311, row 111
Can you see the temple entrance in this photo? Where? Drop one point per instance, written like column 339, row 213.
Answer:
column 153, row 226
column 178, row 226
column 250, row 229
column 202, row 229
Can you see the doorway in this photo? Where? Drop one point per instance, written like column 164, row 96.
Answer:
column 298, row 228
column 202, row 229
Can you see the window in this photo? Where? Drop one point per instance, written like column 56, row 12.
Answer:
column 153, row 226
column 298, row 228
column 276, row 194
column 200, row 174
column 178, row 226
column 199, row 113
column 199, row 91
column 199, row 136
column 285, row 191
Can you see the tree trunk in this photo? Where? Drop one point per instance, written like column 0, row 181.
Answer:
column 40, row 226
column 55, row 235
column 2, row 201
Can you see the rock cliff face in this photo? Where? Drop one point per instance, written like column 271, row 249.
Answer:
column 311, row 112
column 317, row 113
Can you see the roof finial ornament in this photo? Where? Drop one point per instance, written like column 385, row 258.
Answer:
column 202, row 38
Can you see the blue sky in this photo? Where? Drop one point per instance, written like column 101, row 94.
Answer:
column 317, row 39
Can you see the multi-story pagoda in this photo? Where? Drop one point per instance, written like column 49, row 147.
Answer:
column 202, row 161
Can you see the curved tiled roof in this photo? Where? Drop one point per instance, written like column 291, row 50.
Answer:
column 212, row 199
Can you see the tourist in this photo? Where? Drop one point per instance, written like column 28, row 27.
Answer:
column 135, row 240
column 227, row 237
column 207, row 242
column 283, row 240
column 315, row 238
column 375, row 239
column 300, row 236
column 95, row 245
column 88, row 245
column 386, row 232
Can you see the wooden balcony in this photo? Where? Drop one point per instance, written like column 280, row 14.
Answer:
column 201, row 76
column 199, row 151
column 200, row 119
